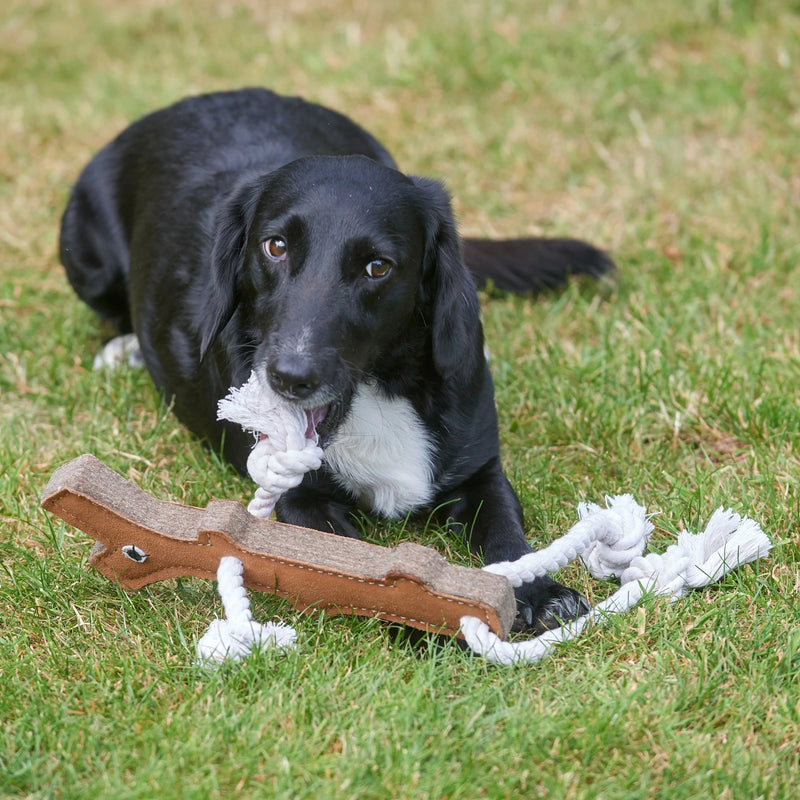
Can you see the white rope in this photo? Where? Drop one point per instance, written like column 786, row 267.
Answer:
column 610, row 542
column 282, row 454
column 236, row 636
column 280, row 458
column 608, row 539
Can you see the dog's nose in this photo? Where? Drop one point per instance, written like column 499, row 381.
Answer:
column 293, row 377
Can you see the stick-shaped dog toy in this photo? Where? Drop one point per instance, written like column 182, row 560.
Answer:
column 141, row 539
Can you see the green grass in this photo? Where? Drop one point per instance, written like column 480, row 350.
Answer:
column 668, row 135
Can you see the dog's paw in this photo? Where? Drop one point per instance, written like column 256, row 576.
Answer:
column 544, row 604
column 118, row 351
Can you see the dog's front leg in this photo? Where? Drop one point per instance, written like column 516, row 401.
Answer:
column 319, row 504
column 485, row 510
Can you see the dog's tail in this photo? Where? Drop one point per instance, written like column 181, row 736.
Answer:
column 531, row 265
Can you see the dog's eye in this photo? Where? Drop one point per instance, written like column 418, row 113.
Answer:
column 378, row 268
column 276, row 248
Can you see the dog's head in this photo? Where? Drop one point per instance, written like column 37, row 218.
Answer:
column 342, row 270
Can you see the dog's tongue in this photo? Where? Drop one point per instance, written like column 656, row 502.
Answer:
column 315, row 416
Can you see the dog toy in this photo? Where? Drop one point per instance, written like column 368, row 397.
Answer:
column 141, row 539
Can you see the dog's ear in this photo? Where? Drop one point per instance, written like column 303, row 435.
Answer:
column 228, row 249
column 449, row 297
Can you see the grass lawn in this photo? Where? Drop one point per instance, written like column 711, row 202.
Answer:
column 669, row 135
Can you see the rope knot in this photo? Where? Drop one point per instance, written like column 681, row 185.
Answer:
column 282, row 455
column 622, row 531
column 276, row 471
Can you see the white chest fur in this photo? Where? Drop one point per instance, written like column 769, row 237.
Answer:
column 382, row 453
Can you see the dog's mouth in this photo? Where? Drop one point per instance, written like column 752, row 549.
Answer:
column 315, row 417
column 323, row 420
column 315, row 427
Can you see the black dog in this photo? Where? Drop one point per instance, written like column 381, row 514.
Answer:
column 245, row 230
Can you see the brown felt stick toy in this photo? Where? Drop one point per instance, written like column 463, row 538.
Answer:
column 141, row 539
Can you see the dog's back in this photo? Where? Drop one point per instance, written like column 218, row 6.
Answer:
column 215, row 140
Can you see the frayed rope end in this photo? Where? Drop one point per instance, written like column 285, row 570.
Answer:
column 223, row 642
column 237, row 636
